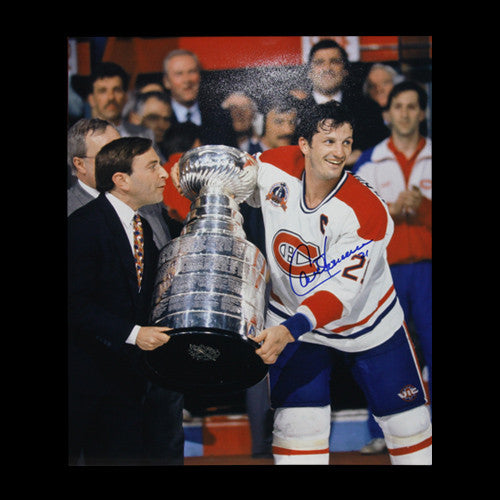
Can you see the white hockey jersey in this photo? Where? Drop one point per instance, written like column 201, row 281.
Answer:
column 328, row 263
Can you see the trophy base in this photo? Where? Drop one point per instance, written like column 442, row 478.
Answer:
column 209, row 361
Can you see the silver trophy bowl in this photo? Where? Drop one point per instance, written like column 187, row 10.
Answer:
column 211, row 281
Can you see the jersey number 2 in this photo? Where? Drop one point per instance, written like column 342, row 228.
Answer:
column 347, row 271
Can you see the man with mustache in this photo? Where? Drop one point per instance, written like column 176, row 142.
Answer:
column 108, row 96
column 279, row 125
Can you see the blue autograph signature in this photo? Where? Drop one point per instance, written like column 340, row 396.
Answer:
column 322, row 266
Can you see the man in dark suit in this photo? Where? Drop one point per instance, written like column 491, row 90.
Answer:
column 182, row 77
column 164, row 435
column 108, row 306
column 328, row 70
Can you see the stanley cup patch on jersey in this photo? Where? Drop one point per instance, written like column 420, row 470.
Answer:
column 278, row 195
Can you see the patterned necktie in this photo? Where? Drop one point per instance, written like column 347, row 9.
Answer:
column 138, row 248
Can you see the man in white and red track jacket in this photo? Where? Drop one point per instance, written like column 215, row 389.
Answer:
column 400, row 169
column 327, row 234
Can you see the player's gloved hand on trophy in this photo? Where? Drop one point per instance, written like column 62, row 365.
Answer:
column 275, row 339
column 151, row 337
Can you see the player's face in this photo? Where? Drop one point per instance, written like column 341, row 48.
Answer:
column 328, row 152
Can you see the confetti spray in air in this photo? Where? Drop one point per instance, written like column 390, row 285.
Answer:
column 259, row 83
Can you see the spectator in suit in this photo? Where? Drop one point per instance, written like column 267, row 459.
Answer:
column 379, row 82
column 245, row 117
column 182, row 77
column 108, row 306
column 85, row 138
column 152, row 110
column 328, row 71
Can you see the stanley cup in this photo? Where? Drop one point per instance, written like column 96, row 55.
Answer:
column 211, row 281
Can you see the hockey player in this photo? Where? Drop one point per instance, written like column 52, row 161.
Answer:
column 326, row 238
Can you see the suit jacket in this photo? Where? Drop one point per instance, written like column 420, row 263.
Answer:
column 155, row 214
column 104, row 300
column 216, row 125
column 77, row 197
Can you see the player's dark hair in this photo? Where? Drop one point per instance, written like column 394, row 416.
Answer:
column 117, row 156
column 317, row 117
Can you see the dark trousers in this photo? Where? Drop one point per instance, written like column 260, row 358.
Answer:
column 107, row 430
column 163, row 431
column 260, row 416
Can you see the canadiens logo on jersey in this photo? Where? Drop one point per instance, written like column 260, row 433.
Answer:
column 278, row 195
column 294, row 256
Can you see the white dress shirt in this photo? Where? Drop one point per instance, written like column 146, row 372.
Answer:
column 181, row 112
column 126, row 215
column 92, row 191
column 321, row 99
